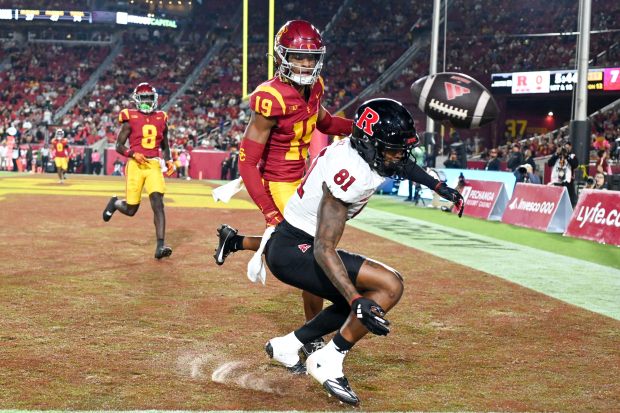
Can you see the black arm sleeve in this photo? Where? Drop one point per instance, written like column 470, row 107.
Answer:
column 413, row 172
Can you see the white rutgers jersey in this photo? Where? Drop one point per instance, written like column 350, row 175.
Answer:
column 347, row 175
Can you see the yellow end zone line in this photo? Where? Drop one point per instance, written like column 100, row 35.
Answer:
column 181, row 194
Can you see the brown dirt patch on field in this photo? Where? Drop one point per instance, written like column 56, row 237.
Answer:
column 91, row 321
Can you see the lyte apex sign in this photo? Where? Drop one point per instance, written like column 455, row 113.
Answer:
column 597, row 217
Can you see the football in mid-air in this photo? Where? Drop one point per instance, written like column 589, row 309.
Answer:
column 455, row 98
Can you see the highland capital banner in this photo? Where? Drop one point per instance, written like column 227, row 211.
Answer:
column 596, row 217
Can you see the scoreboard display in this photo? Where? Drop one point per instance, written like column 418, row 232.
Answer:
column 552, row 81
column 50, row 15
column 75, row 16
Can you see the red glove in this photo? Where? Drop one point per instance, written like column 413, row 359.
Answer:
column 140, row 158
column 171, row 168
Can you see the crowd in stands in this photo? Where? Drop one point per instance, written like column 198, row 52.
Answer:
column 211, row 105
column 211, row 113
column 534, row 152
column 153, row 58
column 520, row 36
column 353, row 64
column 39, row 79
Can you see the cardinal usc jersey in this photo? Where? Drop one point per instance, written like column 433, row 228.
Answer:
column 284, row 158
column 61, row 147
column 348, row 177
column 147, row 130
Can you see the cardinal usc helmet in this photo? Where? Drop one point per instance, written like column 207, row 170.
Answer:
column 299, row 40
column 145, row 97
column 382, row 125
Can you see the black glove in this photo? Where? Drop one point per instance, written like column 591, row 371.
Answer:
column 451, row 195
column 370, row 315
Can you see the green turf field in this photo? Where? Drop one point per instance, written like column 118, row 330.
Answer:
column 608, row 255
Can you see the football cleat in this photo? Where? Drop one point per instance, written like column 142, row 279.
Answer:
column 162, row 252
column 313, row 346
column 325, row 365
column 340, row 389
column 109, row 209
column 289, row 359
column 226, row 234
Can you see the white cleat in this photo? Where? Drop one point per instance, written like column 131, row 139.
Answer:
column 278, row 349
column 325, row 365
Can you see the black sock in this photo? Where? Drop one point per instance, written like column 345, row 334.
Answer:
column 237, row 243
column 341, row 344
column 160, row 242
column 327, row 321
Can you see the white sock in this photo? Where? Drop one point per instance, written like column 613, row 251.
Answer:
column 331, row 363
column 291, row 340
column 285, row 349
column 331, row 349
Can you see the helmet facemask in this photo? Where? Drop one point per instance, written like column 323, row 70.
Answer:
column 296, row 73
column 373, row 152
column 383, row 126
column 145, row 97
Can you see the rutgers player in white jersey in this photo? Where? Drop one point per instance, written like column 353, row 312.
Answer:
column 346, row 175
column 302, row 250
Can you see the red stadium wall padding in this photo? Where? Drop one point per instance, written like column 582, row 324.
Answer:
column 542, row 207
column 596, row 217
column 209, row 162
column 110, row 157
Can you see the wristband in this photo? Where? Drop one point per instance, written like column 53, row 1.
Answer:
column 129, row 153
column 355, row 298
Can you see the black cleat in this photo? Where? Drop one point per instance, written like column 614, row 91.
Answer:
column 226, row 234
column 163, row 252
column 313, row 346
column 298, row 368
column 109, row 209
column 340, row 389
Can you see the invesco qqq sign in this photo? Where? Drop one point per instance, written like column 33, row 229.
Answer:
column 545, row 207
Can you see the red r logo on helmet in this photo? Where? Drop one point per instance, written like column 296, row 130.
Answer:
column 368, row 119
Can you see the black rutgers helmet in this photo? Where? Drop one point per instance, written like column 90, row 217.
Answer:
column 380, row 125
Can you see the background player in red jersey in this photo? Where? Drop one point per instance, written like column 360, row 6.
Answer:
column 285, row 111
column 61, row 156
column 147, row 131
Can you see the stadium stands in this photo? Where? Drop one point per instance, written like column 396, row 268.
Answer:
column 41, row 77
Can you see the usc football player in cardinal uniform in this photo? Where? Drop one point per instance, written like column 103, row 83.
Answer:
column 60, row 144
column 147, row 131
column 286, row 109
